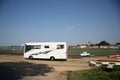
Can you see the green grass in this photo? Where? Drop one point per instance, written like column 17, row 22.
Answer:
column 94, row 74
column 71, row 51
column 93, row 51
column 9, row 50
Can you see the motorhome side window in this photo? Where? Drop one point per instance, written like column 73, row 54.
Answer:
column 29, row 47
column 60, row 46
column 46, row 46
column 37, row 47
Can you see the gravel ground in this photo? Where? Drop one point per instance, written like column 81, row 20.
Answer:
column 15, row 67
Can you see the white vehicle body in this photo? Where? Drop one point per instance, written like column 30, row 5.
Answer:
column 106, row 63
column 45, row 50
column 84, row 54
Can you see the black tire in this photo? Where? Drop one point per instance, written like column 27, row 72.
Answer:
column 52, row 58
column 30, row 57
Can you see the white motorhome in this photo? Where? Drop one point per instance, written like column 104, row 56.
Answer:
column 45, row 50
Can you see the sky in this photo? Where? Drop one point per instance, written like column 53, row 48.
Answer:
column 71, row 21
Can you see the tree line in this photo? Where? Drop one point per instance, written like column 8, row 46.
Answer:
column 105, row 43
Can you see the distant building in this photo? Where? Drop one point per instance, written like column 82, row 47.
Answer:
column 91, row 45
column 83, row 46
column 111, row 46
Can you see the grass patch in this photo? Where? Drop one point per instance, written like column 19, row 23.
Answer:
column 72, row 52
column 94, row 51
column 94, row 74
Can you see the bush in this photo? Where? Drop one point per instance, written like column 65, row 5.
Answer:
column 94, row 74
column 115, row 75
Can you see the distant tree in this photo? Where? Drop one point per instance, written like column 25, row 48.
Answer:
column 118, row 43
column 103, row 43
column 78, row 45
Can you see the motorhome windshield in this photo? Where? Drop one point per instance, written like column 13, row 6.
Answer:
column 29, row 47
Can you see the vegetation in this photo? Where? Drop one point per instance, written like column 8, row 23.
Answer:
column 71, row 51
column 94, row 74
column 94, row 51
column 11, row 49
column 118, row 43
column 104, row 43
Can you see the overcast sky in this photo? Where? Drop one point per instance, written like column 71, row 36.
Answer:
column 72, row 21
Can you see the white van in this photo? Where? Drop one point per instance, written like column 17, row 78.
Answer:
column 45, row 50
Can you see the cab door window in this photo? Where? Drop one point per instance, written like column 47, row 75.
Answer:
column 60, row 46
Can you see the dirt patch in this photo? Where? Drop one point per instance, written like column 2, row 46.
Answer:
column 18, row 68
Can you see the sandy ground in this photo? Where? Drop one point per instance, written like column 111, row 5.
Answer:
column 22, row 69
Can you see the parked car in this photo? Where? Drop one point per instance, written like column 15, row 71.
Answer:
column 84, row 54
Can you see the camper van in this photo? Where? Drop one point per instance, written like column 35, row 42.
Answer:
column 45, row 50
